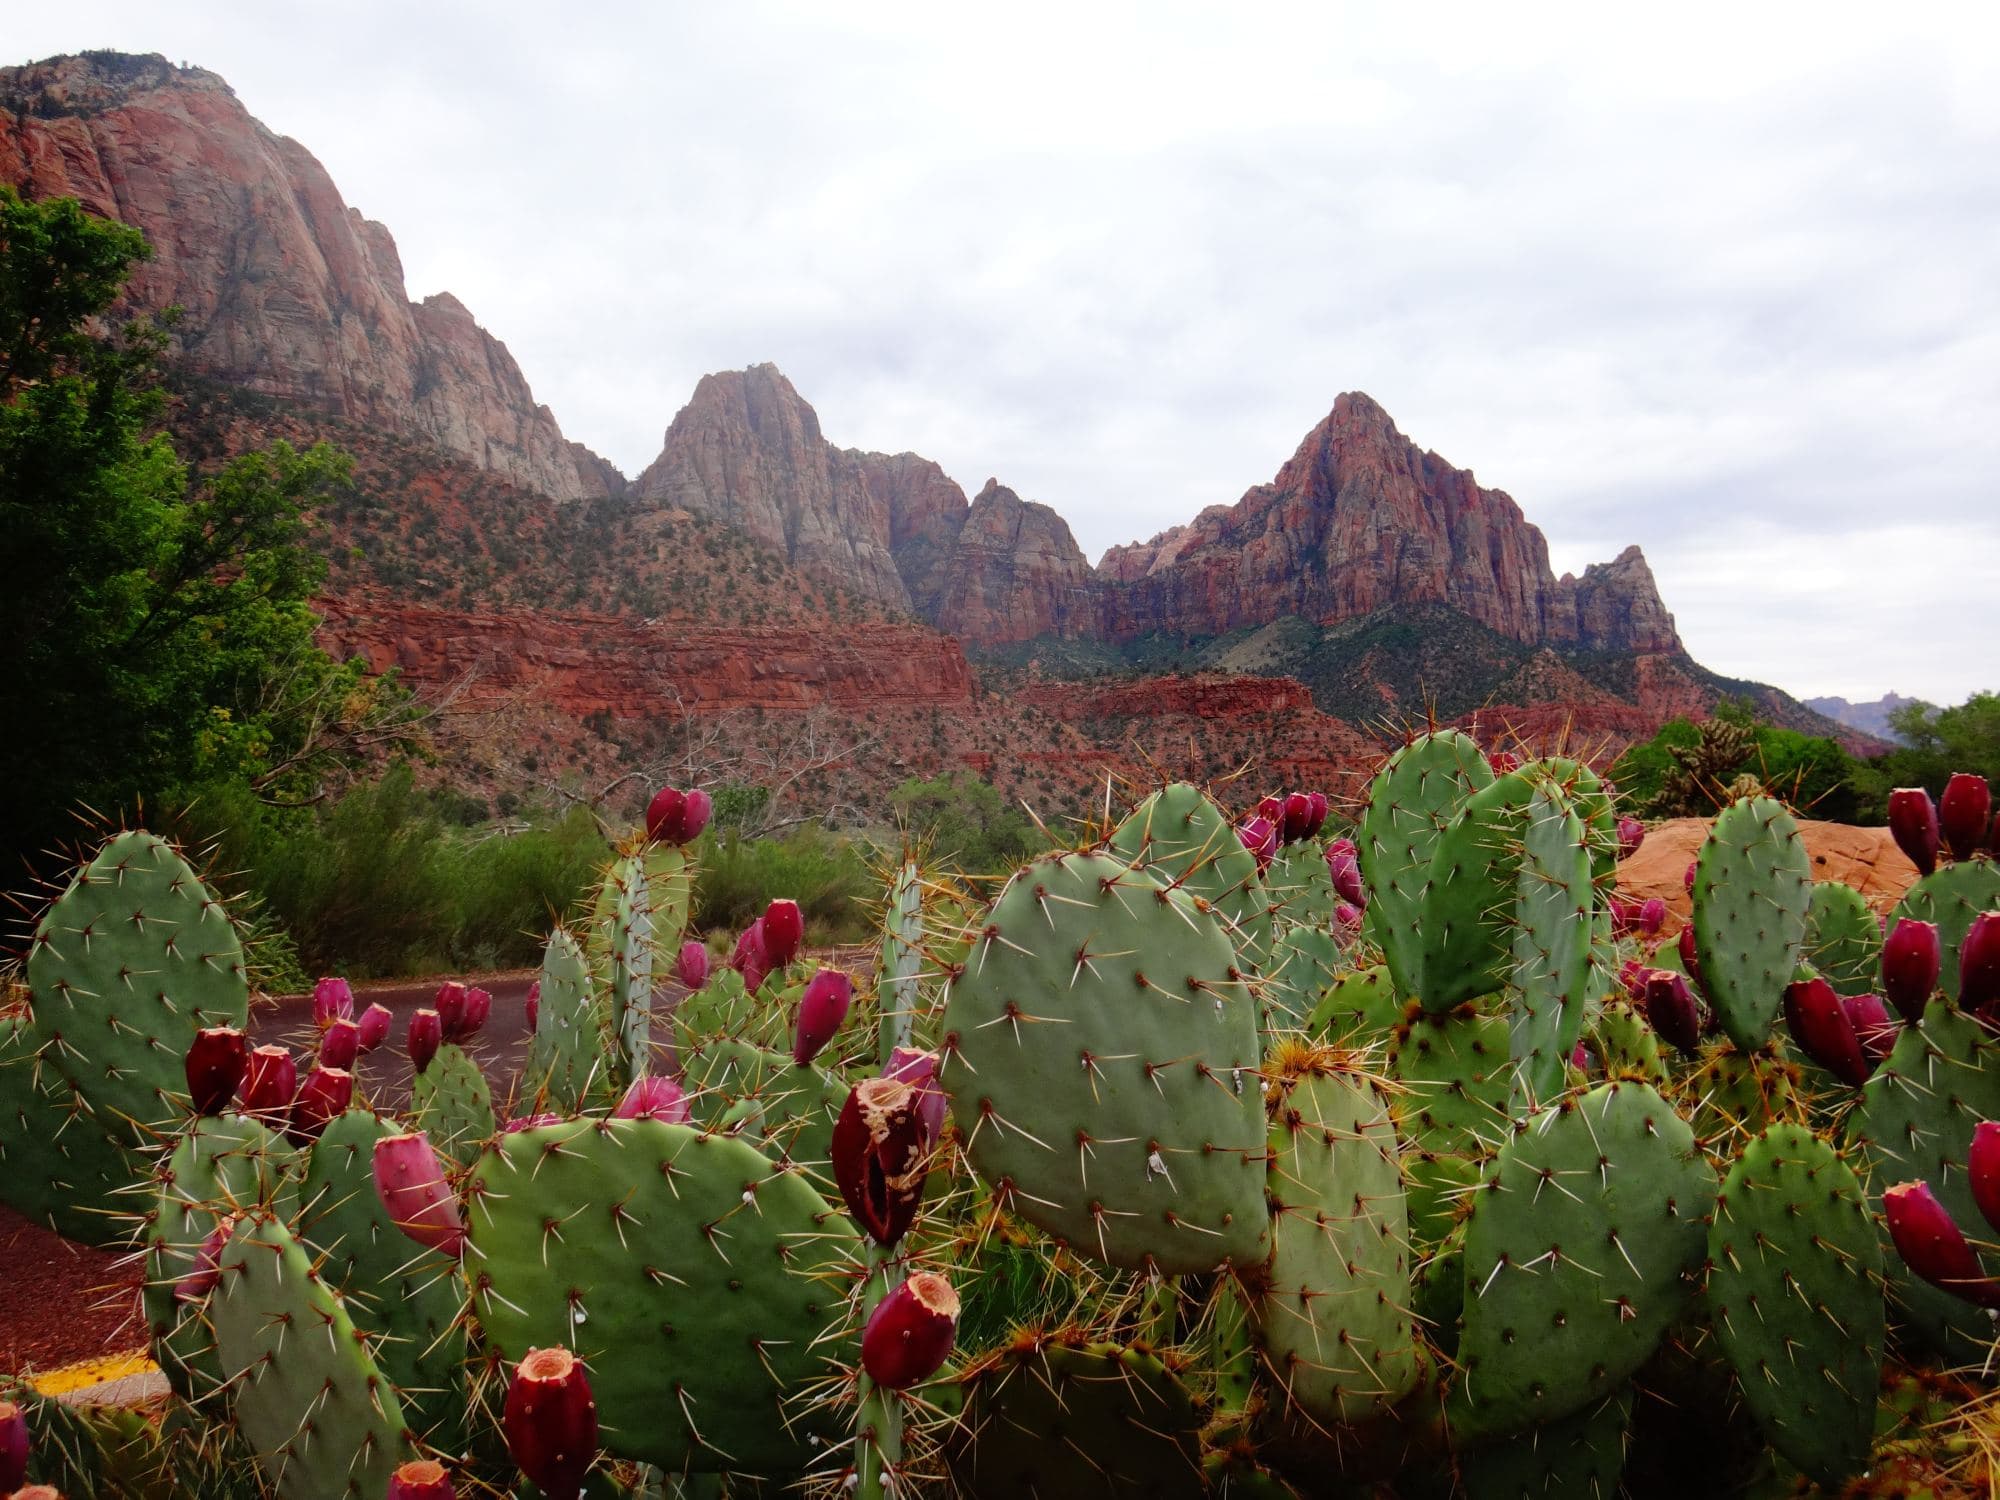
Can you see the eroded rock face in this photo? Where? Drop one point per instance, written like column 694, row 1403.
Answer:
column 285, row 289
column 1012, row 572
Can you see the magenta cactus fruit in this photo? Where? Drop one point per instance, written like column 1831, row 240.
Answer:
column 654, row 1098
column 879, row 1151
column 1343, row 868
column 450, row 1005
column 215, row 1063
column 751, row 959
column 1346, row 922
column 530, row 1122
column 664, row 815
column 1874, row 1028
column 322, row 1098
column 1503, row 761
column 420, row 1479
column 1687, row 877
column 551, row 1422
column 919, row 1069
column 333, row 1000
column 1652, row 916
column 425, row 1036
column 822, row 1008
column 1979, row 965
column 784, row 930
column 1624, row 915
column 1632, row 978
column 1684, row 946
column 199, row 1279
column 692, row 964
column 1910, row 961
column 13, row 1445
column 1319, row 807
column 1982, row 1167
column 1933, row 1246
column 1298, row 818
column 1631, row 834
column 910, row 1333
column 1819, row 1023
column 478, row 1010
column 410, row 1181
column 699, row 808
column 1964, row 812
column 531, row 1005
column 1913, row 823
column 340, row 1044
column 374, row 1025
column 1260, row 836
column 1271, row 809
column 270, row 1079
column 1671, row 1008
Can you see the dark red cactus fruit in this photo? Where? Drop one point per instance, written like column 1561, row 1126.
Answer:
column 695, row 814
column 451, row 1006
column 1874, row 1028
column 215, row 1063
column 551, row 1422
column 1260, row 836
column 1684, row 946
column 1298, row 818
column 13, row 1445
column 1652, row 916
column 1979, row 966
column 322, row 1098
column 692, row 964
column 1346, row 922
column 531, row 1006
column 530, row 1122
column 1910, row 961
column 909, row 1334
column 1687, row 876
column 1820, row 1025
column 374, row 1027
column 332, row 1000
column 1343, row 868
column 340, row 1044
column 750, row 958
column 1672, row 1010
column 653, row 1098
column 784, row 930
column 1624, row 915
column 821, row 1010
column 919, row 1070
column 1632, row 978
column 664, row 815
column 879, row 1152
column 1913, row 823
column 478, row 1011
column 199, row 1279
column 1933, row 1246
column 1963, row 813
column 411, row 1182
column 426, row 1035
column 1982, row 1167
column 1320, row 808
column 1581, row 1059
column 270, row 1079
column 1631, row 834
column 1503, row 761
column 1271, row 809
column 420, row 1479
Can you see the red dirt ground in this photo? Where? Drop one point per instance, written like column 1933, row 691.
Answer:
column 62, row 1302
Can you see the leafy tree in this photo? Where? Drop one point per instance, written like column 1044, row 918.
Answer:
column 1937, row 742
column 1690, row 769
column 969, row 824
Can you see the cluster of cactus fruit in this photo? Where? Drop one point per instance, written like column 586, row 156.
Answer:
column 1223, row 1154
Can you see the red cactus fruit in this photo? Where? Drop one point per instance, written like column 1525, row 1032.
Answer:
column 530, row 1122
column 551, row 1422
column 750, row 958
column 1652, row 916
column 919, row 1069
column 1982, row 1167
column 13, row 1445
column 664, row 815
column 269, row 1080
column 420, row 1479
column 340, row 1044
column 1687, row 876
column 199, row 1279
column 478, row 1010
column 1260, row 836
column 1963, row 813
column 695, row 814
column 1684, row 946
column 1933, row 1246
column 1346, row 922
column 215, row 1063
column 1979, row 965
column 1672, row 1010
column 1320, row 808
column 1503, row 761
column 332, row 1000
column 692, row 964
column 1298, row 818
column 1271, row 809
column 1874, row 1028
column 784, row 930
column 1343, row 867
column 1819, row 1024
column 1913, row 823
column 879, row 1151
column 822, row 1008
column 1624, row 915
column 410, row 1181
column 531, row 1006
column 451, row 1008
column 323, row 1097
column 909, row 1334
column 426, row 1033
column 1910, row 960
column 374, row 1027
column 1632, row 977
column 1631, row 834
column 653, row 1098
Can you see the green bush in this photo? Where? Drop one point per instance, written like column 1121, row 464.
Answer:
column 826, row 874
column 970, row 826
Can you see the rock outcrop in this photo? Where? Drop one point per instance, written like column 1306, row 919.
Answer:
column 1008, row 570
column 285, row 290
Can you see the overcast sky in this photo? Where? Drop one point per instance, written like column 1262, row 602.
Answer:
column 1722, row 282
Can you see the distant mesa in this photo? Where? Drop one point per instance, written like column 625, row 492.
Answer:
column 1869, row 718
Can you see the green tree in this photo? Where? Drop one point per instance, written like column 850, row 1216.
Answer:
column 969, row 824
column 1937, row 742
column 156, row 628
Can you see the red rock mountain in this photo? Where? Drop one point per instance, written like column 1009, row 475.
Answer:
column 285, row 289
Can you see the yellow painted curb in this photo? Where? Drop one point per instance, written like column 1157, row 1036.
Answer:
column 100, row 1371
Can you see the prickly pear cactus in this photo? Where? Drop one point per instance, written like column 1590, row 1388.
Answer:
column 1455, row 1079
column 1731, row 1095
column 1951, row 896
column 566, row 1056
column 1795, row 1299
column 1466, row 922
column 631, row 971
column 1549, row 982
column 1843, row 942
column 1579, row 1252
column 1411, row 801
column 127, row 965
column 723, row 1010
column 1186, row 841
column 1101, row 1054
column 1626, row 1046
column 1334, row 1317
column 1305, row 962
column 1752, row 890
column 1360, row 1008
column 1578, row 1457
column 58, row 1165
column 744, row 1089
column 1300, row 887
column 451, row 1102
column 695, row 1278
column 902, row 960
column 321, row 1415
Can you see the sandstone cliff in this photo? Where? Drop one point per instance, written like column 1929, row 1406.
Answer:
column 285, row 289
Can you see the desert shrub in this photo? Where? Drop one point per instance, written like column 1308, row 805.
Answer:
column 827, row 874
column 970, row 826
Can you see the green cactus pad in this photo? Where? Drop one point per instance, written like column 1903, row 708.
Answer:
column 1549, row 984
column 1359, row 1008
column 1455, row 1079
column 630, row 957
column 58, row 1165
column 1795, row 1298
column 723, row 1009
column 1412, row 799
column 789, row 1110
column 1048, row 1419
column 1300, row 886
column 1578, row 1457
column 566, row 1057
column 1730, row 1096
column 1334, row 1319
column 1579, row 1253
column 409, row 1298
column 1101, row 1054
column 1187, row 842
column 1914, row 1123
column 322, row 1417
column 899, row 995
column 1951, row 897
column 697, row 1280
column 127, row 965
column 1305, row 961
column 451, row 1103
column 1467, row 920
column 1752, row 890
column 1626, row 1046
column 1585, row 790
column 1843, row 940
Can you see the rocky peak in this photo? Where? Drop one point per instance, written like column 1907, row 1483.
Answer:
column 1615, row 606
column 1012, row 572
column 285, row 289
